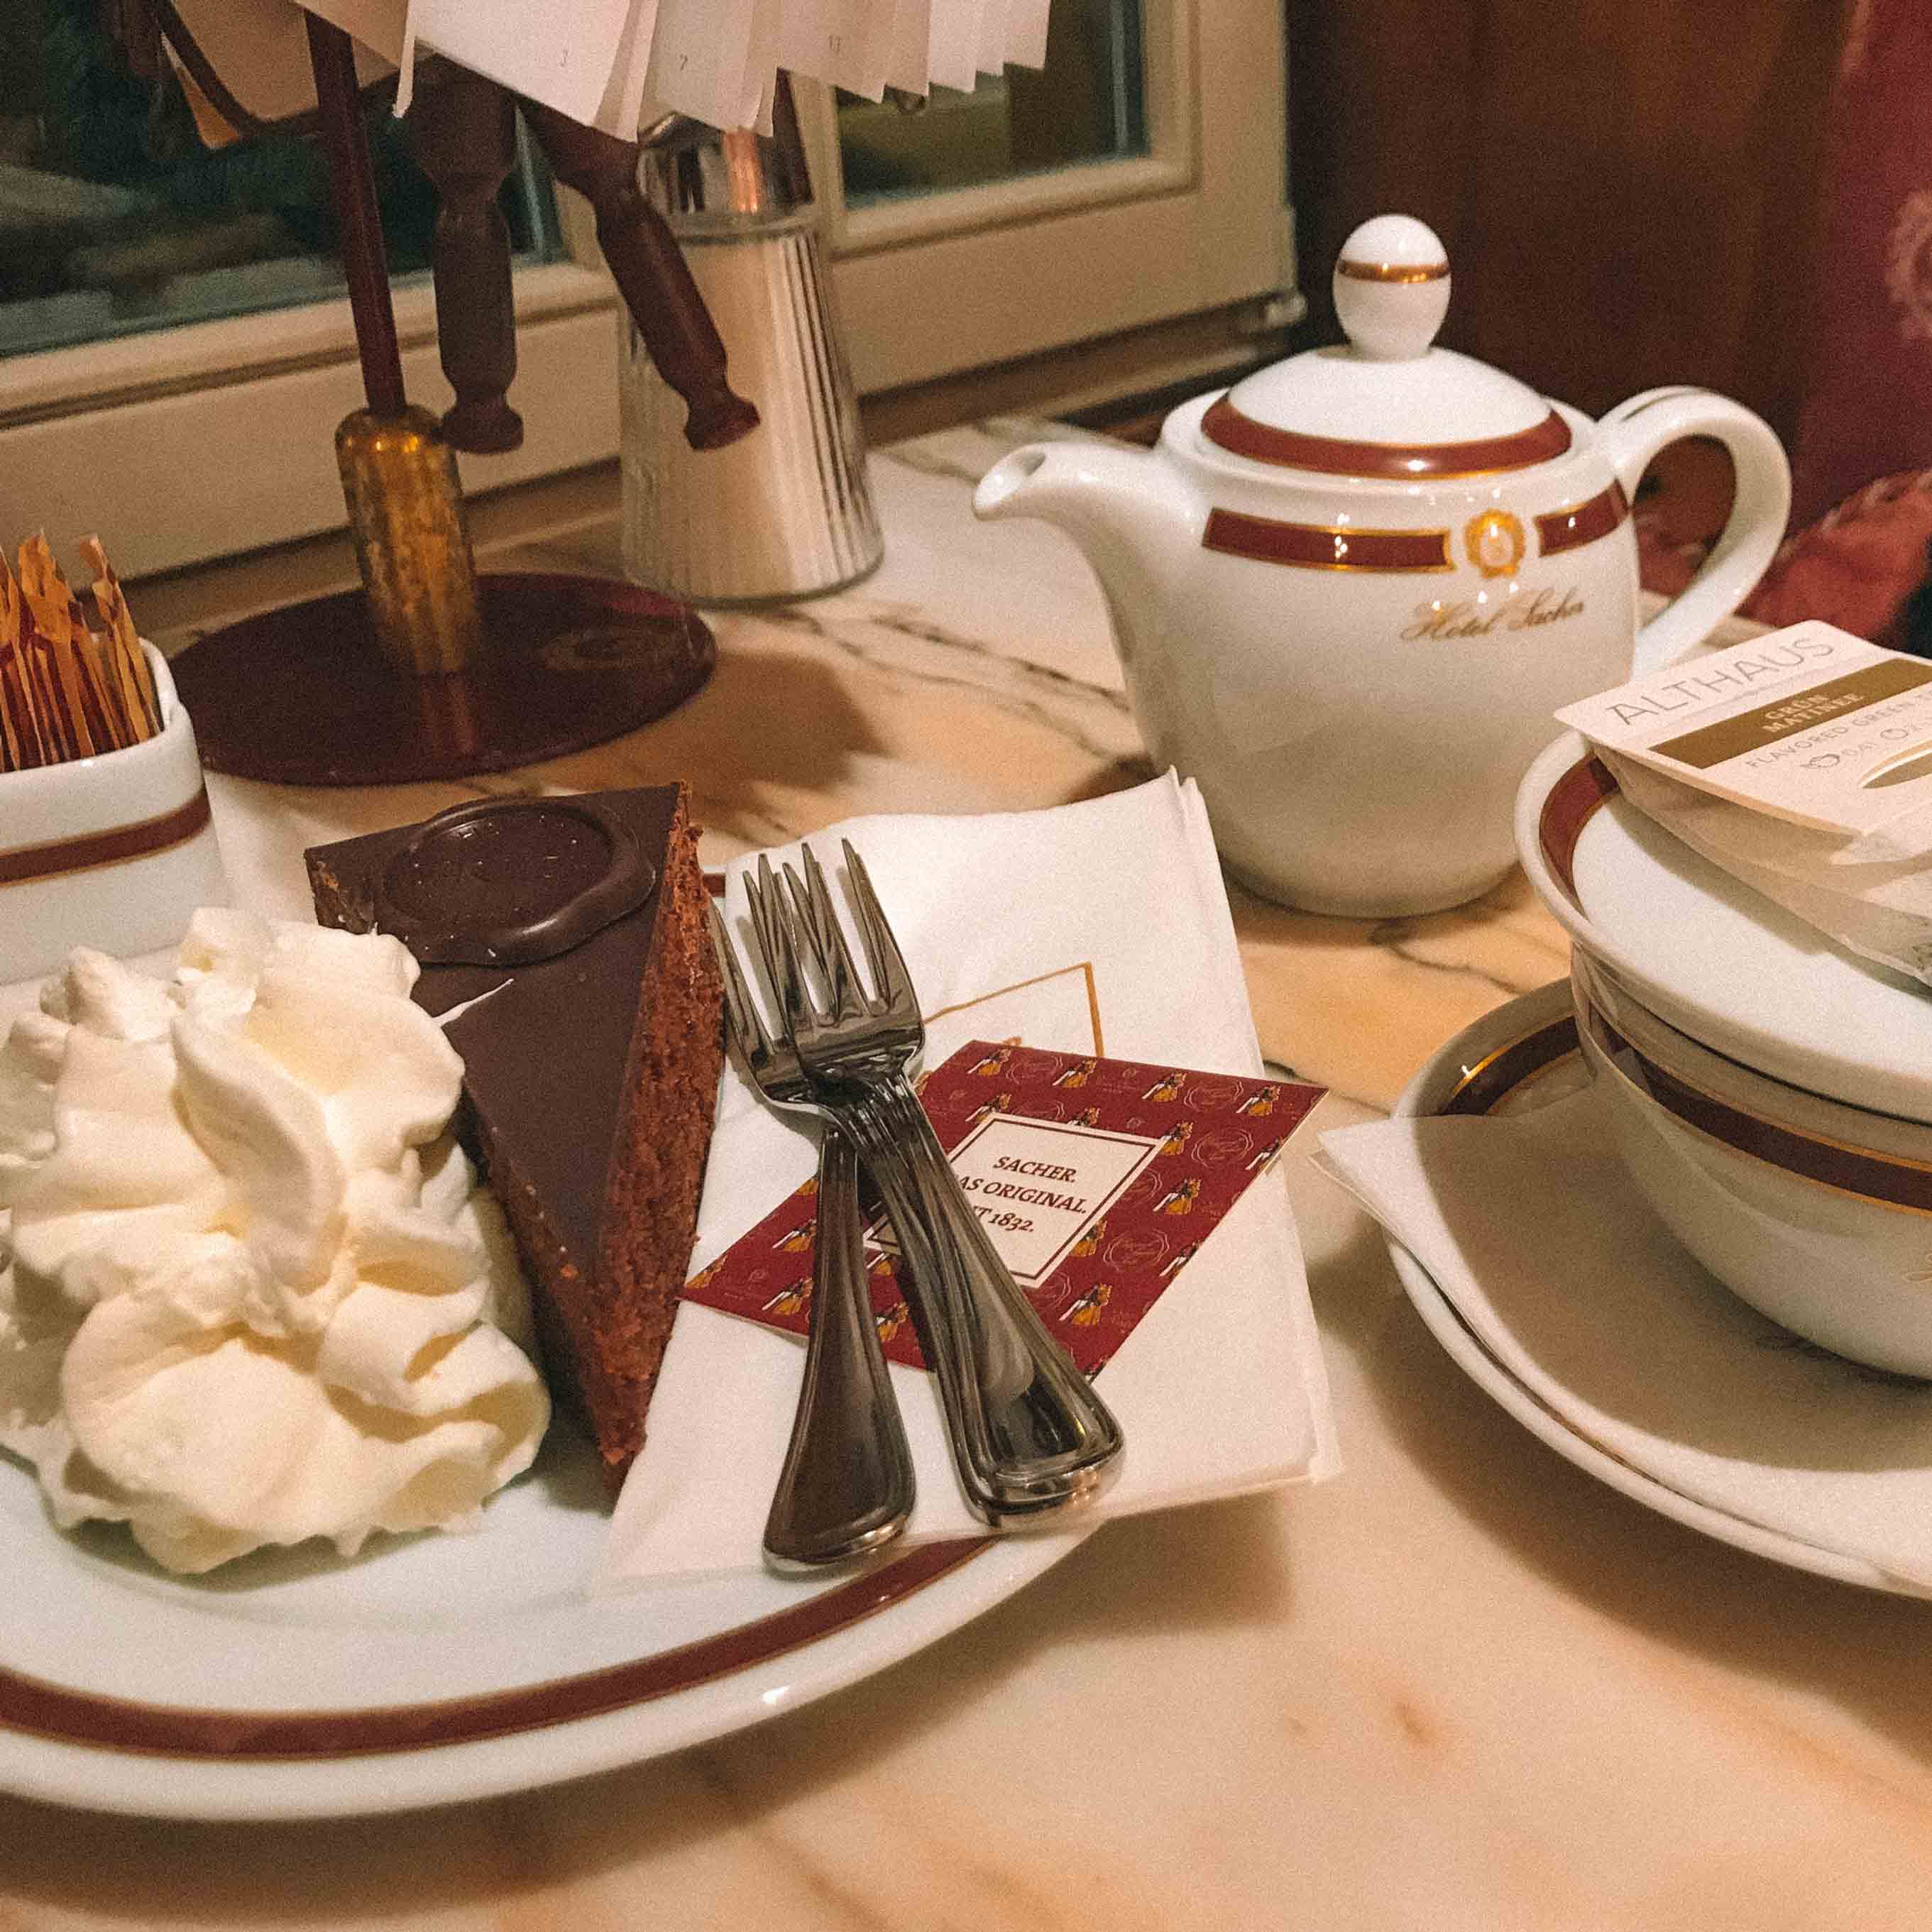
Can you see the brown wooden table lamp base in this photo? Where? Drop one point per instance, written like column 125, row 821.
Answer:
column 430, row 671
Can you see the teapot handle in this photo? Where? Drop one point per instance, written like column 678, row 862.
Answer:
column 1633, row 432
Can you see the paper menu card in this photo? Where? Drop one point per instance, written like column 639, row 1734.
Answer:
column 1098, row 1181
column 597, row 61
column 1809, row 724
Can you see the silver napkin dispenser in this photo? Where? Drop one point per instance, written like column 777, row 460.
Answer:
column 784, row 512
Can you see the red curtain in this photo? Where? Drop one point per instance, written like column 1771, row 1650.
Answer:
column 1868, row 407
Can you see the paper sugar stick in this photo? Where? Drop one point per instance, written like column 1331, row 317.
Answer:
column 129, row 662
column 124, row 727
column 12, row 753
column 99, row 709
column 20, row 739
column 13, row 612
column 43, row 696
column 76, row 719
column 12, row 759
column 36, row 748
column 50, row 606
column 19, row 736
column 44, row 589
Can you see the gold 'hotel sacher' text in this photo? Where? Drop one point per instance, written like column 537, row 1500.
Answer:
column 1440, row 622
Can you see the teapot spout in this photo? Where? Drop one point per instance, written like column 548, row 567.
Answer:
column 1135, row 517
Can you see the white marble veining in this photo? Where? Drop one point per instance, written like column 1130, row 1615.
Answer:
column 1462, row 1687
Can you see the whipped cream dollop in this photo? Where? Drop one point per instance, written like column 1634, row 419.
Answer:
column 250, row 1292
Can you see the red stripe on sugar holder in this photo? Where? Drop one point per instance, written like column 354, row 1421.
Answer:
column 60, row 856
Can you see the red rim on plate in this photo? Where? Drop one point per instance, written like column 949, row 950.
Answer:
column 40, row 1709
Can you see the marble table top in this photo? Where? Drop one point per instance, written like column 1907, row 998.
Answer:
column 1463, row 1685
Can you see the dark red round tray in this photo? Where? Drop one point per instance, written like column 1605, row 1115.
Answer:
column 302, row 696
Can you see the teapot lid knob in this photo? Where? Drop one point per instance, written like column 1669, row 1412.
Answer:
column 1392, row 288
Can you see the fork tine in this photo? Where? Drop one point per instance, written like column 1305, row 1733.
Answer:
column 778, row 942
column 799, row 914
column 741, row 1014
column 814, row 901
column 892, row 983
column 758, row 889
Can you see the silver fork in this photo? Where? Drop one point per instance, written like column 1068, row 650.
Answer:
column 847, row 1486
column 1028, row 1433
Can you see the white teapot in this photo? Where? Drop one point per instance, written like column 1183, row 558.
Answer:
column 1349, row 592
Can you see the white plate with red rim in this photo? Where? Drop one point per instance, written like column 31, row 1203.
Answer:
column 1524, row 1055
column 431, row 1670
column 1713, row 957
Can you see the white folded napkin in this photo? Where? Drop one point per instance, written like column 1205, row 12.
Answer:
column 1534, row 1232
column 1101, row 927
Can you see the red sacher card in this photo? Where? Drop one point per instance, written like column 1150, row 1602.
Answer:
column 1098, row 1180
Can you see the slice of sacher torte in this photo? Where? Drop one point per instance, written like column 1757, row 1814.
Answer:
column 572, row 930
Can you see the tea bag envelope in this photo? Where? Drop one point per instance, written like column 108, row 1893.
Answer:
column 1801, row 763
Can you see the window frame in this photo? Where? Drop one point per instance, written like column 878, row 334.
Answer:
column 141, row 437
column 1200, row 222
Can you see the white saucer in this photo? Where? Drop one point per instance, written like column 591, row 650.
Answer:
column 1522, row 1055
column 1717, row 960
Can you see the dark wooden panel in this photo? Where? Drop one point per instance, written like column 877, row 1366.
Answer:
column 1627, row 188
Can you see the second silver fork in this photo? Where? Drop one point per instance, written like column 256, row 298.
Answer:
column 1029, row 1436
column 846, row 1488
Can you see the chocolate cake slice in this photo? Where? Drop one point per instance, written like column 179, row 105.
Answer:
column 572, row 931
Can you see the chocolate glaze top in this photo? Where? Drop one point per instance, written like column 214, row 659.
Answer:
column 544, row 1056
column 509, row 881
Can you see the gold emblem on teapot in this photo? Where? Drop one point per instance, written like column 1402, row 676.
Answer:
column 1495, row 541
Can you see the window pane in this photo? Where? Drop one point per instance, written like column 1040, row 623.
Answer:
column 114, row 218
column 1087, row 103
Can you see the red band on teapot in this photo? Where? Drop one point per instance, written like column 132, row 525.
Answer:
column 1558, row 530
column 1225, row 425
column 1323, row 547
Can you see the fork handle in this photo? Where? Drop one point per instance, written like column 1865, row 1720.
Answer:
column 1028, row 1433
column 847, row 1486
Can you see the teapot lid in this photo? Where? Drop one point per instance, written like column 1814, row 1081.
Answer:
column 1387, row 405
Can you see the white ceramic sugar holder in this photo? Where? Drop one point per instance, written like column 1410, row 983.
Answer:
column 114, row 851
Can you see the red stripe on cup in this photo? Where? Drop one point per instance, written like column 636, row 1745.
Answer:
column 1572, row 802
column 1862, row 1172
